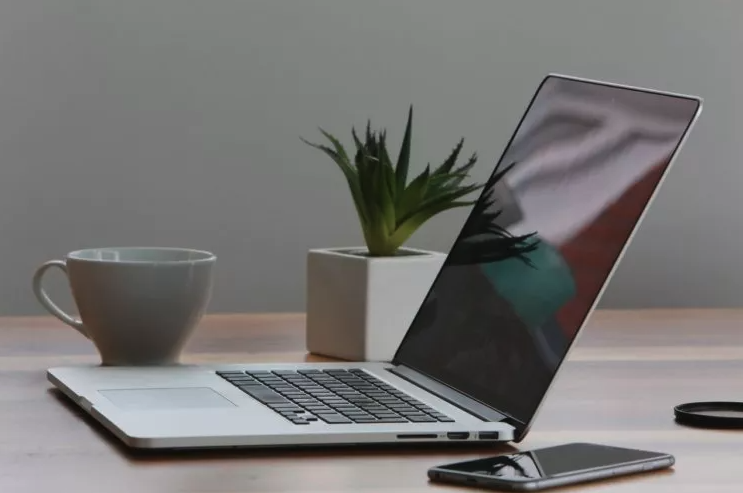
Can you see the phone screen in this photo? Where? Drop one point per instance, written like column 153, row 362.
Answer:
column 551, row 461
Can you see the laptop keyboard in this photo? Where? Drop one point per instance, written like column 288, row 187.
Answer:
column 332, row 396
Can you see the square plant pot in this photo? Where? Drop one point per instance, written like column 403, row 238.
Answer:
column 359, row 307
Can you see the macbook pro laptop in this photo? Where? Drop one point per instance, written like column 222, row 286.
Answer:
column 528, row 266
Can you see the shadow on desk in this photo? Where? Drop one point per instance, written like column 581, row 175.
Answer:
column 366, row 450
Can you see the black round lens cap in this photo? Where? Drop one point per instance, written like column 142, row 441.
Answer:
column 721, row 414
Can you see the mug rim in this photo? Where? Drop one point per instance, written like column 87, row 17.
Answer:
column 204, row 255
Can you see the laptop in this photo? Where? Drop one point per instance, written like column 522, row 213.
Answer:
column 518, row 284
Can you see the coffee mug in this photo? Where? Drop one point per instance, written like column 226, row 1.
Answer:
column 138, row 305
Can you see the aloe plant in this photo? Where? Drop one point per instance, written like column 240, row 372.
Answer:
column 389, row 207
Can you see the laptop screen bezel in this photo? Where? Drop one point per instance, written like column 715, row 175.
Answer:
column 522, row 427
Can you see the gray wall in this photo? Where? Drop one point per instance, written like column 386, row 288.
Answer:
column 177, row 122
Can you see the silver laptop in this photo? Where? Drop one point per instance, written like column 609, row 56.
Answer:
column 525, row 271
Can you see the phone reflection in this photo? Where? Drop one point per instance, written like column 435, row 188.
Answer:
column 523, row 465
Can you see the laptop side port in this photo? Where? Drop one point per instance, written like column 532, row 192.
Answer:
column 458, row 435
column 488, row 435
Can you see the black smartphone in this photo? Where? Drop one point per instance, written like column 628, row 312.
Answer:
column 543, row 468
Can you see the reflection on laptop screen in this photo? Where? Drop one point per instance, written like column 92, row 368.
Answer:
column 542, row 240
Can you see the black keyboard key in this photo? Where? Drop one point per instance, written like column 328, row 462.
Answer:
column 336, row 372
column 385, row 415
column 366, row 420
column 356, row 414
column 259, row 373
column 285, row 407
column 321, row 395
column 319, row 409
column 230, row 372
column 392, row 420
column 352, row 398
column 353, row 381
column 421, row 419
column 376, row 409
column 377, row 395
column 309, row 372
column 423, row 407
column 365, row 407
column 291, row 414
column 335, row 385
column 299, row 383
column 300, row 422
column 322, row 377
column 334, row 418
column 237, row 383
column 264, row 395
column 413, row 411
column 251, row 386
column 398, row 408
column 284, row 372
column 360, row 385
column 360, row 399
column 392, row 400
column 271, row 379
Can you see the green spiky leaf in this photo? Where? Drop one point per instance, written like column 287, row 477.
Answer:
column 403, row 160
column 414, row 194
column 447, row 165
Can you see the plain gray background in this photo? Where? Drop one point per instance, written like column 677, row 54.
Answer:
column 177, row 122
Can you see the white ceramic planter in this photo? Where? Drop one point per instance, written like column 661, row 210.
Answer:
column 359, row 308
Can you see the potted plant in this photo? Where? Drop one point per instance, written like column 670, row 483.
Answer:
column 361, row 300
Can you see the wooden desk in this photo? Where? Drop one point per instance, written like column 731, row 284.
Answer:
column 619, row 387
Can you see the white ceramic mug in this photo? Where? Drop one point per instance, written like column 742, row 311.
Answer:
column 138, row 305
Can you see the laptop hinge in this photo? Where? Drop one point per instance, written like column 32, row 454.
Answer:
column 448, row 394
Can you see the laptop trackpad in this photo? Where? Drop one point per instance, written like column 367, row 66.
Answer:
column 167, row 398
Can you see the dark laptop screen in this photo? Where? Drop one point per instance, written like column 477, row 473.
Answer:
column 541, row 242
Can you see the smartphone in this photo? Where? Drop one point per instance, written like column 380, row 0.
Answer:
column 543, row 468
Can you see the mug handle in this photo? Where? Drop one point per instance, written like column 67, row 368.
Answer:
column 47, row 303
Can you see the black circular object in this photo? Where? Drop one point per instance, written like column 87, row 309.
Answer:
column 725, row 415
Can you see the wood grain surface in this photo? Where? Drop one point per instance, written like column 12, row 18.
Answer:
column 620, row 385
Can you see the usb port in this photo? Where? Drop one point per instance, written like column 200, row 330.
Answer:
column 458, row 435
column 489, row 435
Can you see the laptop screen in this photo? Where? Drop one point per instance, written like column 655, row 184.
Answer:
column 542, row 240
